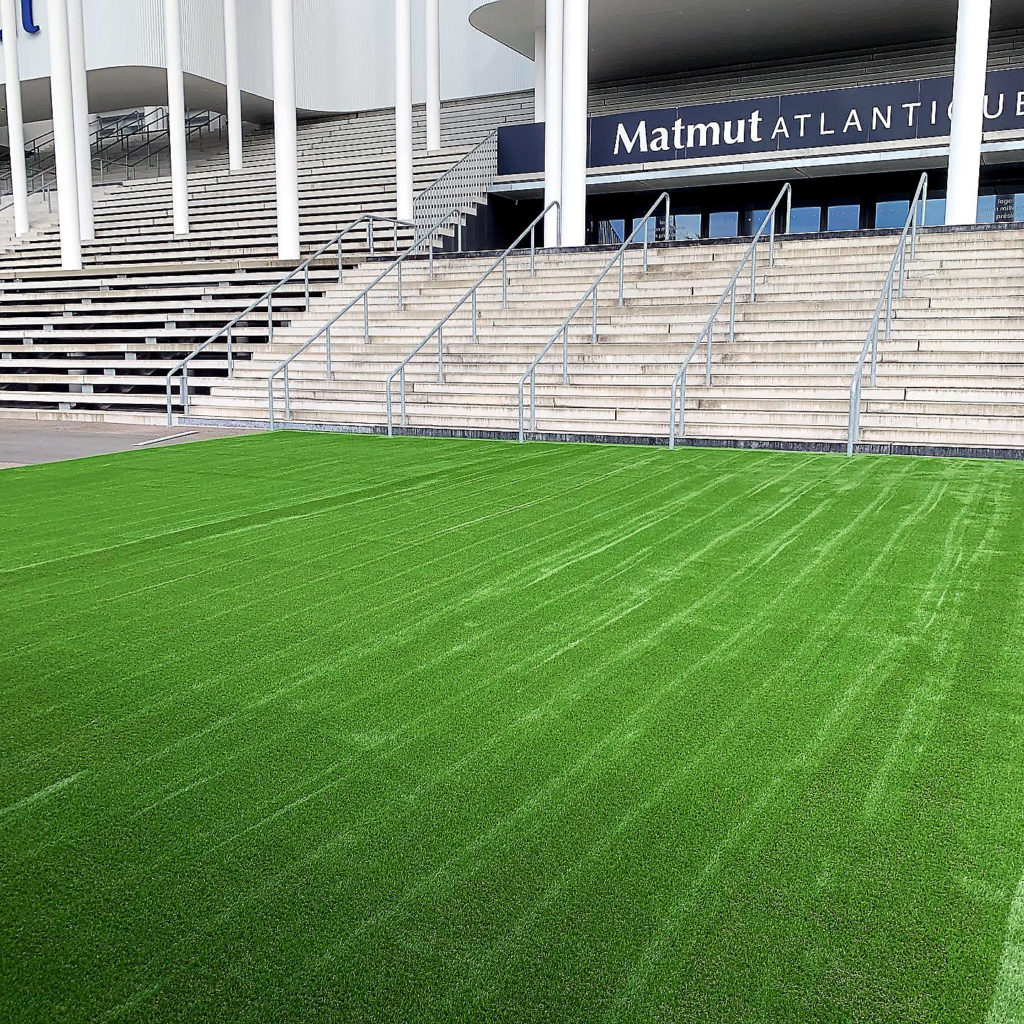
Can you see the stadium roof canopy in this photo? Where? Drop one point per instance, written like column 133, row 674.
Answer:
column 631, row 38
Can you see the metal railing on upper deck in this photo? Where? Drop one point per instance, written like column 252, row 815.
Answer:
column 267, row 297
column 460, row 186
column 906, row 250
column 591, row 293
column 470, row 296
column 428, row 239
column 707, row 334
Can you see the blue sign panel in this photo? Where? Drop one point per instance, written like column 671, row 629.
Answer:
column 904, row 111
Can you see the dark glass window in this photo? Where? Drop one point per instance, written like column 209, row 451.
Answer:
column 844, row 218
column 724, row 225
column 892, row 213
column 805, row 219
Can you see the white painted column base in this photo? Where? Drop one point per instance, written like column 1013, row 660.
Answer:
column 972, row 39
column 403, row 109
column 64, row 136
column 15, row 117
column 553, row 119
column 231, row 80
column 575, row 87
column 176, row 115
column 286, row 145
column 433, row 38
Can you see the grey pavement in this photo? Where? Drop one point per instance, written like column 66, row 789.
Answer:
column 31, row 442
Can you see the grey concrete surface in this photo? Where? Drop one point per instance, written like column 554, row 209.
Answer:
column 30, row 442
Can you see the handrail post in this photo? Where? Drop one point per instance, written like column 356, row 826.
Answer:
column 565, row 356
column 707, row 372
column 399, row 287
column 593, row 332
column 270, row 402
column 522, row 428
column 405, row 419
column 369, row 239
column 306, row 284
column 789, row 208
column 329, row 374
column 533, row 400
column 287, row 397
column 622, row 278
column 440, row 355
column 732, row 312
column 672, row 417
column 475, row 336
column 504, row 283
column 231, row 360
column 387, row 405
column 366, row 317
column 270, row 318
column 903, row 262
column 533, row 250
column 753, row 274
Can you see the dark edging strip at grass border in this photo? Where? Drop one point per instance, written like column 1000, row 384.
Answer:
column 467, row 434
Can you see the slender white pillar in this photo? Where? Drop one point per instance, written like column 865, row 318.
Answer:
column 403, row 108
column 286, row 143
column 433, row 76
column 80, row 101
column 540, row 49
column 968, row 111
column 231, row 79
column 553, row 119
column 575, row 74
column 64, row 135
column 176, row 114
column 15, row 118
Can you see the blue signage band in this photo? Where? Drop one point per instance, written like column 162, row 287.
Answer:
column 903, row 111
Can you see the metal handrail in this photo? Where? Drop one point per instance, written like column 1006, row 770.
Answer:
column 364, row 298
column 100, row 143
column 438, row 329
column 369, row 219
column 468, row 181
column 895, row 278
column 706, row 336
column 563, row 330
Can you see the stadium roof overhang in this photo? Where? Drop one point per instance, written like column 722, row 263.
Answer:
column 633, row 38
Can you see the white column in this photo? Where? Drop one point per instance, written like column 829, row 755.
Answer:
column 64, row 135
column 15, row 119
column 80, row 101
column 553, row 119
column 433, row 76
column 968, row 111
column 403, row 108
column 176, row 114
column 540, row 49
column 575, row 72
column 231, row 79
column 286, row 145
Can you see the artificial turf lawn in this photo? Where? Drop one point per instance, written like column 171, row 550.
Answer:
column 306, row 727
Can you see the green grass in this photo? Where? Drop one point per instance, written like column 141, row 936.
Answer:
column 302, row 727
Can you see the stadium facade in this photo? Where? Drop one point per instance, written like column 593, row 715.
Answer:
column 712, row 102
column 575, row 124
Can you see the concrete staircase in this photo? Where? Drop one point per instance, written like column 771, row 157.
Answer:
column 952, row 375
column 98, row 343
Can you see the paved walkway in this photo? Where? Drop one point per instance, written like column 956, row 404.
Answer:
column 30, row 442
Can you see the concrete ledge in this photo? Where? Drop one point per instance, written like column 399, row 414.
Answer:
column 746, row 444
